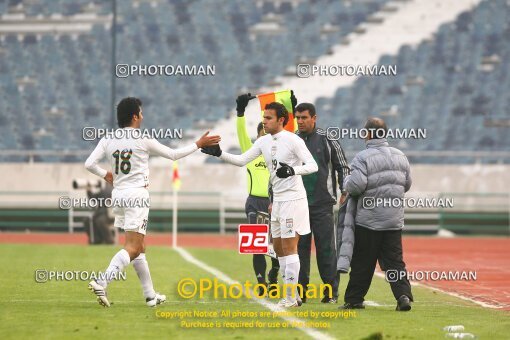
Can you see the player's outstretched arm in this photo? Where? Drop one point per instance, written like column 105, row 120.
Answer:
column 239, row 160
column 156, row 148
column 242, row 133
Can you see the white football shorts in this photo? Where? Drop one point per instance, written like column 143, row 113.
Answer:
column 131, row 217
column 289, row 218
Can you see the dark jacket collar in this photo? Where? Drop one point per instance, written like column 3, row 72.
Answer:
column 302, row 134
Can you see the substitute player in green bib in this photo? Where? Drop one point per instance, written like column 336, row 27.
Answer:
column 258, row 198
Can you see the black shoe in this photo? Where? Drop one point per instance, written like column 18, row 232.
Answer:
column 262, row 291
column 271, row 288
column 272, row 276
column 349, row 305
column 327, row 299
column 403, row 304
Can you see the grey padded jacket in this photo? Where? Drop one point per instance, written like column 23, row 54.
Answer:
column 380, row 175
column 345, row 234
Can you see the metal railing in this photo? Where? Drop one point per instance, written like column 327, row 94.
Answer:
column 49, row 200
column 487, row 210
column 39, row 209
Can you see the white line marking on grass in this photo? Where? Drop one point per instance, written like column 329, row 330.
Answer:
column 121, row 301
column 462, row 297
column 315, row 334
column 180, row 302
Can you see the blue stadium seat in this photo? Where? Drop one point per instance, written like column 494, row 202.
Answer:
column 74, row 74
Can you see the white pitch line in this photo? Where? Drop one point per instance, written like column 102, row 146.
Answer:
column 178, row 302
column 480, row 303
column 315, row 334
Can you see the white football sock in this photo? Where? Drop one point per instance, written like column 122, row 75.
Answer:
column 142, row 270
column 291, row 275
column 281, row 259
column 117, row 265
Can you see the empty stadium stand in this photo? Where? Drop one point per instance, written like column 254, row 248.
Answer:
column 56, row 81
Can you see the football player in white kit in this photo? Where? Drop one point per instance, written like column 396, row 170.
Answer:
column 128, row 153
column 289, row 158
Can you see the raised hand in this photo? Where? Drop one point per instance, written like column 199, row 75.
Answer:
column 207, row 140
column 242, row 102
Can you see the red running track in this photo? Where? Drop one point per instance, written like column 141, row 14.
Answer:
column 488, row 256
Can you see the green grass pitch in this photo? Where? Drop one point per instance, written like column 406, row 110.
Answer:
column 66, row 309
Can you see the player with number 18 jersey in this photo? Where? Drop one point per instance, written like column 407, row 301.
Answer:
column 129, row 160
column 128, row 151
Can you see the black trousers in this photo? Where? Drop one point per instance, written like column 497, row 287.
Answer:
column 323, row 231
column 254, row 204
column 371, row 246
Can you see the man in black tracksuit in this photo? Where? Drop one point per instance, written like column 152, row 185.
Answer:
column 322, row 196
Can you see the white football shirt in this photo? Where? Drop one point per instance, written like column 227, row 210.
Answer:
column 129, row 158
column 283, row 147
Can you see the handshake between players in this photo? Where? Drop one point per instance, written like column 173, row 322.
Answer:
column 284, row 152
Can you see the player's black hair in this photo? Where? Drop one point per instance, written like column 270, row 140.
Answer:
column 259, row 128
column 126, row 109
column 377, row 128
column 280, row 109
column 306, row 107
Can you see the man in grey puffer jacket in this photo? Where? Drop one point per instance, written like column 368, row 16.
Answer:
column 380, row 176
